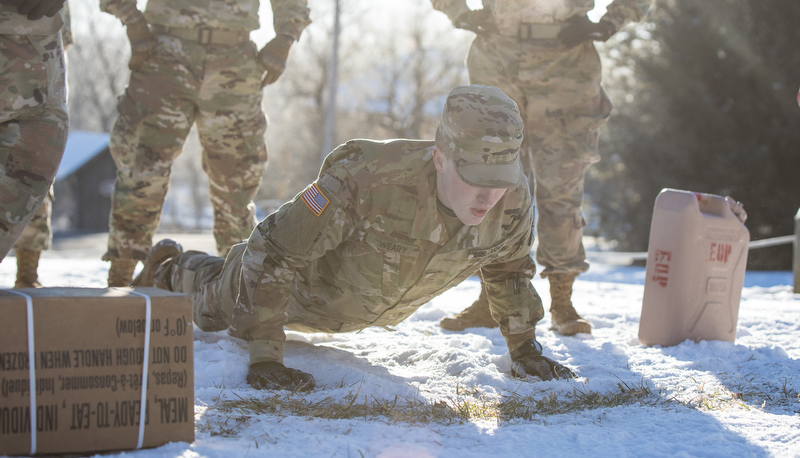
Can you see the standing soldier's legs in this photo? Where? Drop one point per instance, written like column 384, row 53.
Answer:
column 37, row 237
column 491, row 62
column 232, row 125
column 33, row 128
column 542, row 77
column 563, row 145
column 558, row 189
column 156, row 113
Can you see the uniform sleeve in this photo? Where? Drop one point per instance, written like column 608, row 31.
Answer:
column 513, row 301
column 452, row 8
column 304, row 229
column 291, row 17
column 622, row 12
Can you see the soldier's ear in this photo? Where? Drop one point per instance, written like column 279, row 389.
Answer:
column 438, row 160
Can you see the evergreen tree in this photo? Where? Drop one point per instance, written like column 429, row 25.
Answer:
column 705, row 96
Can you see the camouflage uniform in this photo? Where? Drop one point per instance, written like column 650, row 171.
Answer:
column 562, row 103
column 377, row 252
column 367, row 244
column 204, row 70
column 38, row 234
column 33, row 117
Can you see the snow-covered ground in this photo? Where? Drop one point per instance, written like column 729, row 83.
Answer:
column 705, row 399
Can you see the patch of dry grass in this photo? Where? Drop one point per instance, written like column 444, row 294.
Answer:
column 228, row 416
column 746, row 393
column 468, row 404
column 528, row 407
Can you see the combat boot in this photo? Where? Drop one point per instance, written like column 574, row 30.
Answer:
column 476, row 315
column 162, row 252
column 121, row 272
column 27, row 265
column 565, row 320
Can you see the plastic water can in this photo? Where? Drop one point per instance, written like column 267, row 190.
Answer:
column 696, row 263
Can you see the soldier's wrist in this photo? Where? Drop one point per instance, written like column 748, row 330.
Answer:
column 126, row 12
column 136, row 20
column 139, row 34
column 530, row 347
column 613, row 20
column 283, row 41
column 265, row 350
column 609, row 27
column 286, row 35
column 268, row 363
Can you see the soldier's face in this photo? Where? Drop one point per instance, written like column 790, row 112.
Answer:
column 469, row 203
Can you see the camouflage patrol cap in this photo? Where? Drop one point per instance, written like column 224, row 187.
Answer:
column 482, row 129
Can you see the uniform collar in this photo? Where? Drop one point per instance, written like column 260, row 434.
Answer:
column 428, row 224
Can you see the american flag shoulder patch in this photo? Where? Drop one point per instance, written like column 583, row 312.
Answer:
column 314, row 199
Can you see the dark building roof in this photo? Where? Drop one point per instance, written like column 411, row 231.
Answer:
column 81, row 147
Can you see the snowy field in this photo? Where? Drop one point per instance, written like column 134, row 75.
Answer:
column 695, row 399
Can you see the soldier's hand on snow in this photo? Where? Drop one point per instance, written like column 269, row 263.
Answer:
column 528, row 361
column 35, row 9
column 579, row 29
column 273, row 57
column 542, row 367
column 143, row 43
column 737, row 208
column 478, row 21
column 272, row 375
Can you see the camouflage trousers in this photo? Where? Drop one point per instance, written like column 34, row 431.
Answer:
column 38, row 234
column 213, row 283
column 218, row 87
column 197, row 274
column 33, row 127
column 563, row 105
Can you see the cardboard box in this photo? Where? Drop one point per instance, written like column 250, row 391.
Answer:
column 89, row 357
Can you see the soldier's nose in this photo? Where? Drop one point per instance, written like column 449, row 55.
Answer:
column 490, row 195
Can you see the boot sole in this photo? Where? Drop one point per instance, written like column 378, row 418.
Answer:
column 162, row 251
